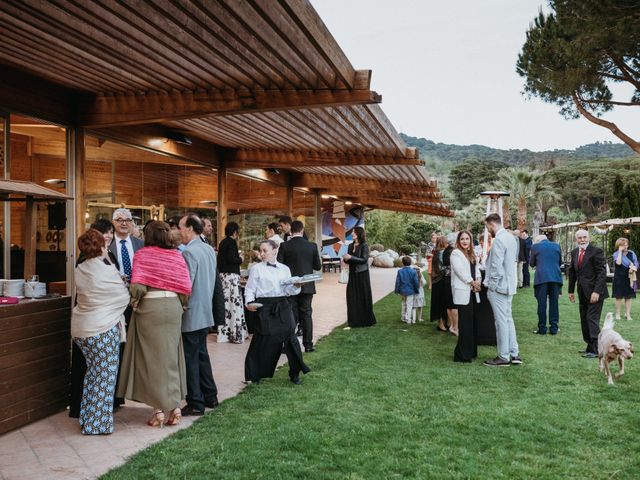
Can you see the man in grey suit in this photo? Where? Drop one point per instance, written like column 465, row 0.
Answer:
column 501, row 280
column 198, row 317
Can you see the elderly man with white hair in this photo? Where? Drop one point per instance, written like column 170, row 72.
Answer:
column 588, row 271
column 124, row 245
column 546, row 258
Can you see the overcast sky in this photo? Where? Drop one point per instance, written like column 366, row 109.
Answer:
column 446, row 71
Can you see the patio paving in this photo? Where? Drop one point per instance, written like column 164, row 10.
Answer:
column 54, row 448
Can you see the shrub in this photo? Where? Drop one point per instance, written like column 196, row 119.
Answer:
column 377, row 246
column 406, row 249
column 398, row 263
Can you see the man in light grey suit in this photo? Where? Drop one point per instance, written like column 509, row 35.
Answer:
column 196, row 320
column 501, row 280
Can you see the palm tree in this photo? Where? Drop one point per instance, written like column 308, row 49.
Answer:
column 526, row 187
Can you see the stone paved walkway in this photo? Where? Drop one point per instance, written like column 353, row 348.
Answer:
column 53, row 448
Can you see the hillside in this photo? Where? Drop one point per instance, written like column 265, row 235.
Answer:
column 440, row 158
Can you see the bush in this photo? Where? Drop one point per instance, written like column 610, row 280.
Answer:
column 406, row 249
column 398, row 263
column 377, row 246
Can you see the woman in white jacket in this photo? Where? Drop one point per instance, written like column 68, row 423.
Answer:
column 465, row 281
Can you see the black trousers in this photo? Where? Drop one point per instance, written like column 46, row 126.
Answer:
column 590, row 321
column 466, row 348
column 302, row 311
column 526, row 276
column 201, row 387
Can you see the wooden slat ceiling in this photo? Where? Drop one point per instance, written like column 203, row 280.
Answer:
column 261, row 77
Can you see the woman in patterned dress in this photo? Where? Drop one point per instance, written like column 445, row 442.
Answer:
column 235, row 328
column 97, row 327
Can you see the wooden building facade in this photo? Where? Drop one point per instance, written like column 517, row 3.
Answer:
column 238, row 110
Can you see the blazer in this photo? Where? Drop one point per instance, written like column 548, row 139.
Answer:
column 546, row 258
column 302, row 258
column 359, row 263
column 591, row 276
column 201, row 262
column 501, row 264
column 229, row 260
column 407, row 281
column 113, row 249
column 461, row 277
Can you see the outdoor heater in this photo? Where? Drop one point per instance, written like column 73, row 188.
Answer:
column 494, row 205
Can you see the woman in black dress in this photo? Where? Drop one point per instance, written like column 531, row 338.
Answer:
column 438, row 306
column 624, row 262
column 359, row 298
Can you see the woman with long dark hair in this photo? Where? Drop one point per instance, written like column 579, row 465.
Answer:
column 359, row 298
column 438, row 311
column 465, row 285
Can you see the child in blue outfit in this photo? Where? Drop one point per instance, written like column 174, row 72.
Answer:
column 407, row 286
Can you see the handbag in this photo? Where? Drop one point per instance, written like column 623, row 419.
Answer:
column 344, row 273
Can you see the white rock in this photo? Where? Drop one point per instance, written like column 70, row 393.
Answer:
column 374, row 253
column 392, row 254
column 383, row 261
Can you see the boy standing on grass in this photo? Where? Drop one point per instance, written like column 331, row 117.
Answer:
column 407, row 286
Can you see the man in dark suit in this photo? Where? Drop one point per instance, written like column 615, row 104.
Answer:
column 588, row 270
column 546, row 258
column 528, row 243
column 122, row 249
column 302, row 258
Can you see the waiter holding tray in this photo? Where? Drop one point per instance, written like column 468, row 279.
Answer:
column 267, row 290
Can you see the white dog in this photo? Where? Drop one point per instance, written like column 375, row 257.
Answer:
column 612, row 346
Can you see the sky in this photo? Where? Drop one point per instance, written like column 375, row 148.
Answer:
column 446, row 71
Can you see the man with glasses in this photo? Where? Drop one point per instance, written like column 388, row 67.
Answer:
column 123, row 247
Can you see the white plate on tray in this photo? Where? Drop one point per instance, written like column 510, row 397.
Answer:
column 254, row 305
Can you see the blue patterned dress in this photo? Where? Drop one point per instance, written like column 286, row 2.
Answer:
column 102, row 355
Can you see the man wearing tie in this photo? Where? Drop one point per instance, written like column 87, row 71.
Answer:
column 123, row 247
column 588, row 270
column 302, row 258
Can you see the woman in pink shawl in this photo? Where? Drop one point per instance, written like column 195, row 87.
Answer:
column 153, row 369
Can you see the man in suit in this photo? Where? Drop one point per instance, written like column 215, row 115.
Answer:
column 302, row 258
column 122, row 248
column 546, row 258
column 198, row 317
column 124, row 245
column 588, row 270
column 207, row 230
column 528, row 243
column 501, row 281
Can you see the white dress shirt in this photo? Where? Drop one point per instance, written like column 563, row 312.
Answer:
column 266, row 281
column 129, row 245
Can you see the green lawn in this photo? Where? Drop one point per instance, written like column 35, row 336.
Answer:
column 389, row 402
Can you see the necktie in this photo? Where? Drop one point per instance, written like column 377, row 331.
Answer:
column 126, row 261
column 580, row 256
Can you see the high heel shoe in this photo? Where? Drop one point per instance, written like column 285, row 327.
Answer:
column 157, row 419
column 174, row 417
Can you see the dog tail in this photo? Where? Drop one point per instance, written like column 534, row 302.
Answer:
column 608, row 321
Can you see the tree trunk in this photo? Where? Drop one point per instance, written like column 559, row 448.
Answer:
column 635, row 146
column 506, row 215
column 522, row 214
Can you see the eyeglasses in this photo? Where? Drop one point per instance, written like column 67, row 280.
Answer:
column 122, row 220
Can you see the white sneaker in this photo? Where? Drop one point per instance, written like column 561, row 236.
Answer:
column 617, row 316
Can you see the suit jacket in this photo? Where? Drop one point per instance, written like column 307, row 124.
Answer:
column 113, row 249
column 359, row 263
column 201, row 262
column 591, row 276
column 302, row 258
column 461, row 276
column 502, row 263
column 546, row 258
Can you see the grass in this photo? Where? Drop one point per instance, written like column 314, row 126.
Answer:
column 389, row 402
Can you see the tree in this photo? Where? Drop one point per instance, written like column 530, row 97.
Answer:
column 572, row 56
column 524, row 186
column 469, row 178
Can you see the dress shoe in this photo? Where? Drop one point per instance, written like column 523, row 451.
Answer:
column 212, row 403
column 539, row 332
column 191, row 411
column 296, row 380
column 590, row 355
column 551, row 332
column 309, row 349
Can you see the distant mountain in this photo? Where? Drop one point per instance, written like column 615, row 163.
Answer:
column 440, row 158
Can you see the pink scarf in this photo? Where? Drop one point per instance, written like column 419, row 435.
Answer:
column 161, row 268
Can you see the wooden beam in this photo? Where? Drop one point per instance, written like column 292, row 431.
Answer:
column 36, row 97
column 153, row 138
column 80, row 182
column 403, row 207
column 155, row 107
column 245, row 158
column 310, row 180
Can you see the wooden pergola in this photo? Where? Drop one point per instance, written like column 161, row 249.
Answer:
column 249, row 85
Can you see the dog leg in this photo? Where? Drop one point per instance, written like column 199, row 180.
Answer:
column 607, row 370
column 600, row 362
column 621, row 363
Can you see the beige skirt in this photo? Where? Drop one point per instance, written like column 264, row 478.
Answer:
column 153, row 368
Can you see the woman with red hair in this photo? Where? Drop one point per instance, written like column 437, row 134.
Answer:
column 97, row 327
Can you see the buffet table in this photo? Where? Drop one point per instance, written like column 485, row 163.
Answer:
column 34, row 360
